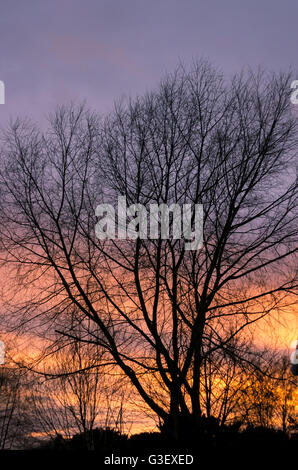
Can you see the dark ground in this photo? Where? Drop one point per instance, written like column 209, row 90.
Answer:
column 253, row 447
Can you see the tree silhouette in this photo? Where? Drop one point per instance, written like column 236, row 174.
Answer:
column 157, row 309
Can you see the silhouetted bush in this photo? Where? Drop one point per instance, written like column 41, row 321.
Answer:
column 98, row 439
column 262, row 434
column 145, row 440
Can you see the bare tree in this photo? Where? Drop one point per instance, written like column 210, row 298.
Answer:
column 286, row 409
column 74, row 394
column 9, row 392
column 151, row 303
column 15, row 423
column 225, row 380
column 268, row 400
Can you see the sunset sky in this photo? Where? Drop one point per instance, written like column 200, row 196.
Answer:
column 98, row 51
column 56, row 52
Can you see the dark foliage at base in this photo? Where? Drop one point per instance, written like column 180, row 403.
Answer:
column 212, row 440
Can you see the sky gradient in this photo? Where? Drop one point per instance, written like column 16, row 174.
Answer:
column 52, row 52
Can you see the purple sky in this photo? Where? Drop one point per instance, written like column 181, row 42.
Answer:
column 57, row 50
